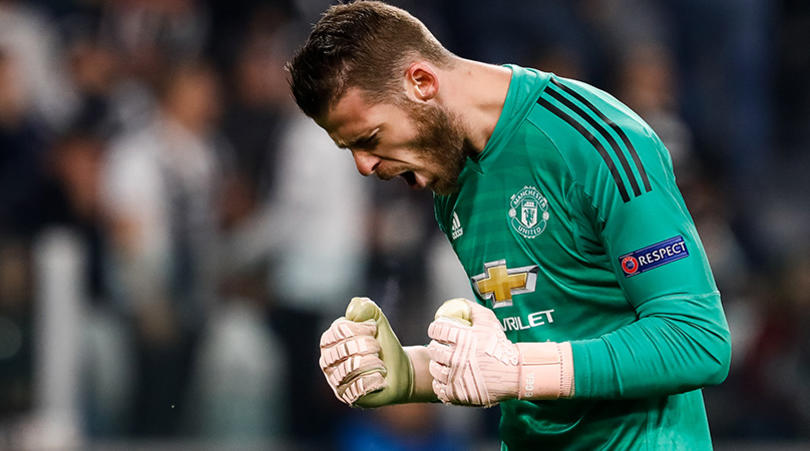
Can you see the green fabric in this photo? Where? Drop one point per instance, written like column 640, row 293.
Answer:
column 642, row 345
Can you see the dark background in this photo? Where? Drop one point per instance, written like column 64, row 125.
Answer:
column 174, row 236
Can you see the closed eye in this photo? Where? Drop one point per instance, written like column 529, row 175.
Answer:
column 368, row 143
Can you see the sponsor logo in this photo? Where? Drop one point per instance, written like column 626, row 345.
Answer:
column 456, row 230
column 528, row 212
column 653, row 256
column 536, row 319
column 500, row 283
column 629, row 265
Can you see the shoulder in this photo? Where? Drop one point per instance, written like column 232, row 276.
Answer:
column 600, row 138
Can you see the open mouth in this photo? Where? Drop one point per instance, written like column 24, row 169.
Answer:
column 410, row 178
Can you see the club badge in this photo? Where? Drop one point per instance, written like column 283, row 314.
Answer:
column 528, row 212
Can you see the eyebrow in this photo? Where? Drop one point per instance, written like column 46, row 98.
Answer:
column 360, row 140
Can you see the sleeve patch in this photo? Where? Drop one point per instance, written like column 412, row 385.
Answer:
column 653, row 256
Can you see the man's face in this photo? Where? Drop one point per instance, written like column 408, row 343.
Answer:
column 422, row 143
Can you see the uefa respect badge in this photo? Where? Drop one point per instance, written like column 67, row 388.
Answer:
column 653, row 256
column 528, row 212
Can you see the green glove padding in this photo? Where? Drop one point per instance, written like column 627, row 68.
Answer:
column 399, row 374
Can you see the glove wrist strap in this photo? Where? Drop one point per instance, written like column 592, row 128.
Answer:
column 546, row 371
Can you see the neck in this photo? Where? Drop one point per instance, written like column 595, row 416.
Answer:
column 476, row 93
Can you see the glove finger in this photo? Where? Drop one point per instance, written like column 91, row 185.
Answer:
column 353, row 367
column 482, row 316
column 441, row 391
column 457, row 309
column 359, row 345
column 342, row 329
column 363, row 385
column 440, row 353
column 444, row 330
column 439, row 372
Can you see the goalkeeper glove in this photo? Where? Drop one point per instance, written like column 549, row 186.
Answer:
column 473, row 363
column 365, row 364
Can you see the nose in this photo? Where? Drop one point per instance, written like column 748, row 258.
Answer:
column 366, row 163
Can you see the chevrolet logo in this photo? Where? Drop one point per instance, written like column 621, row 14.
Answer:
column 501, row 283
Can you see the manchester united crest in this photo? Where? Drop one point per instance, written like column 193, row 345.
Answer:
column 528, row 212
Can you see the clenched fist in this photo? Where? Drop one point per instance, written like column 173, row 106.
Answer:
column 473, row 363
column 365, row 364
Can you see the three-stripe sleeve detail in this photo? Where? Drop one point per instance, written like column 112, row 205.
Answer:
column 601, row 130
column 594, row 142
column 622, row 135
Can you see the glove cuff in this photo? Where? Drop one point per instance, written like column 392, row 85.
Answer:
column 421, row 389
column 546, row 371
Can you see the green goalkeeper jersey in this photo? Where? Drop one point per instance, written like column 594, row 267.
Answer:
column 571, row 228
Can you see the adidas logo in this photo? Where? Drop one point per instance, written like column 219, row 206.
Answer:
column 456, row 231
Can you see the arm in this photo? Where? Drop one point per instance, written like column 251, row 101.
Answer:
column 473, row 363
column 680, row 341
column 664, row 352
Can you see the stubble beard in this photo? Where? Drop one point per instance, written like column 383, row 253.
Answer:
column 442, row 143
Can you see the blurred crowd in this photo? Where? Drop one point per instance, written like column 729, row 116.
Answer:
column 174, row 234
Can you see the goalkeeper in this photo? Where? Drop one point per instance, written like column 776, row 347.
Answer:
column 597, row 320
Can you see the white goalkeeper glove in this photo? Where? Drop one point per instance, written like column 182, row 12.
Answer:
column 365, row 364
column 473, row 363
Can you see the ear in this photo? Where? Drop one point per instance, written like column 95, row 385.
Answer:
column 421, row 81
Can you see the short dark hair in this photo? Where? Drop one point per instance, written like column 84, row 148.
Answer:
column 362, row 44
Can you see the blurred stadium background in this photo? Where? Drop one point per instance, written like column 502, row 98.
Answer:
column 174, row 235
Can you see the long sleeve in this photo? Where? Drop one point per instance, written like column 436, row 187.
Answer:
column 680, row 340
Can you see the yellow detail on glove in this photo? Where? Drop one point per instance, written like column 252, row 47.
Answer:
column 456, row 309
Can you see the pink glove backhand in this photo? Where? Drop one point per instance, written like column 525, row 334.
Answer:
column 477, row 365
column 350, row 359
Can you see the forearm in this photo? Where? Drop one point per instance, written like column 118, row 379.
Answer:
column 677, row 345
column 661, row 353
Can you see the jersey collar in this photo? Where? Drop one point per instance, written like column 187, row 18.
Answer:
column 524, row 88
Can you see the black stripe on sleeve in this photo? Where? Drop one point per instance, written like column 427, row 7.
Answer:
column 613, row 144
column 594, row 142
column 615, row 128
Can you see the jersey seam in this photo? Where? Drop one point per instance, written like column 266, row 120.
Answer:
column 577, row 185
column 593, row 119
column 590, row 200
column 580, row 185
column 681, row 296
column 640, row 170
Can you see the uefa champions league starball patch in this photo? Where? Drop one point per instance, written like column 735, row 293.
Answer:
column 653, row 256
column 528, row 212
